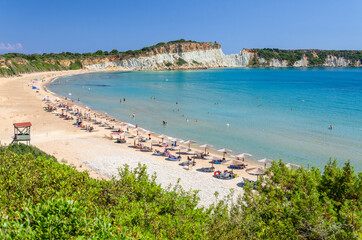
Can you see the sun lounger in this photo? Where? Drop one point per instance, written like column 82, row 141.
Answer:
column 158, row 153
column 242, row 166
column 173, row 158
column 207, row 169
column 146, row 149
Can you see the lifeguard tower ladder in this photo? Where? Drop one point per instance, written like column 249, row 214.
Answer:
column 22, row 132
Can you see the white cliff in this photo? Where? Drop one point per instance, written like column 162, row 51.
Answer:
column 205, row 55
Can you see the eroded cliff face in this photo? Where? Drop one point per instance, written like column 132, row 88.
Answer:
column 185, row 55
column 201, row 55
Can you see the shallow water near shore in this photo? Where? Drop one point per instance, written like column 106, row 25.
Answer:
column 273, row 113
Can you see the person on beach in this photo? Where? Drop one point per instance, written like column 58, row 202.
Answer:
column 124, row 99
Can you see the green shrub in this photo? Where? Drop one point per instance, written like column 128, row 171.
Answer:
column 21, row 149
column 76, row 65
column 43, row 199
column 180, row 61
column 168, row 64
column 195, row 62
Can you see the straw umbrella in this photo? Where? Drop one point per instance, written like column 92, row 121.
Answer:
column 162, row 137
column 265, row 161
column 243, row 156
column 138, row 129
column 212, row 158
column 151, row 141
column 193, row 152
column 138, row 137
column 179, row 147
column 224, row 151
column 206, row 146
column 256, row 171
column 189, row 142
column 233, row 162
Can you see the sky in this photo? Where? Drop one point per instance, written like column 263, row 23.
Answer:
column 40, row 26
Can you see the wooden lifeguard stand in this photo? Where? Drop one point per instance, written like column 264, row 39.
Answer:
column 22, row 132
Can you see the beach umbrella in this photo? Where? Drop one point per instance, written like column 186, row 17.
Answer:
column 162, row 137
column 151, row 141
column 193, row 152
column 224, row 151
column 131, row 125
column 265, row 161
column 206, row 146
column 243, row 156
column 256, row 171
column 291, row 165
column 213, row 158
column 138, row 137
column 179, row 147
column 189, row 142
column 138, row 129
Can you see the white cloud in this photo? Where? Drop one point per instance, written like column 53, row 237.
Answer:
column 10, row 47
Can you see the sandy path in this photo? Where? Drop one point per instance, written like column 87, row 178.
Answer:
column 92, row 151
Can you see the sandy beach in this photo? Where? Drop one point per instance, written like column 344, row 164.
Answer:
column 92, row 151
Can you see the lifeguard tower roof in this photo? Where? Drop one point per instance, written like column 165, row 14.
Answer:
column 23, row 124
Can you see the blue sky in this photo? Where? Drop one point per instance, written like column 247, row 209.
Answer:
column 86, row 25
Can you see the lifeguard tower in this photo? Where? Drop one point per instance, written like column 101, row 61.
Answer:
column 22, row 132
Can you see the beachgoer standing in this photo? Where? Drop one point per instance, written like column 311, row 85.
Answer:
column 124, row 99
column 133, row 115
column 120, row 100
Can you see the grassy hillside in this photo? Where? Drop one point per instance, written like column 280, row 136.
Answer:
column 40, row 198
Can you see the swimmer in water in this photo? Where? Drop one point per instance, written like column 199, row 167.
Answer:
column 124, row 99
column 120, row 100
column 133, row 115
column 331, row 127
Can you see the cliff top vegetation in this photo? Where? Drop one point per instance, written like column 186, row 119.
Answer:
column 315, row 57
column 99, row 53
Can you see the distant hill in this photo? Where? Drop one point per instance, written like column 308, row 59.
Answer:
column 178, row 54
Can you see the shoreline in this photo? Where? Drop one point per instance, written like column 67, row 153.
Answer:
column 154, row 135
column 94, row 153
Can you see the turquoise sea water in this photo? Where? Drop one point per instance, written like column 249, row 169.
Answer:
column 273, row 113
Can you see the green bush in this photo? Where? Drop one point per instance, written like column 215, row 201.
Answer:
column 76, row 65
column 181, row 61
column 168, row 64
column 43, row 199
column 21, row 149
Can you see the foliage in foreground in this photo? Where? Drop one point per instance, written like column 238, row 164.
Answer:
column 40, row 198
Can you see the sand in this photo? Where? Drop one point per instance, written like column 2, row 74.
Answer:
column 91, row 151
